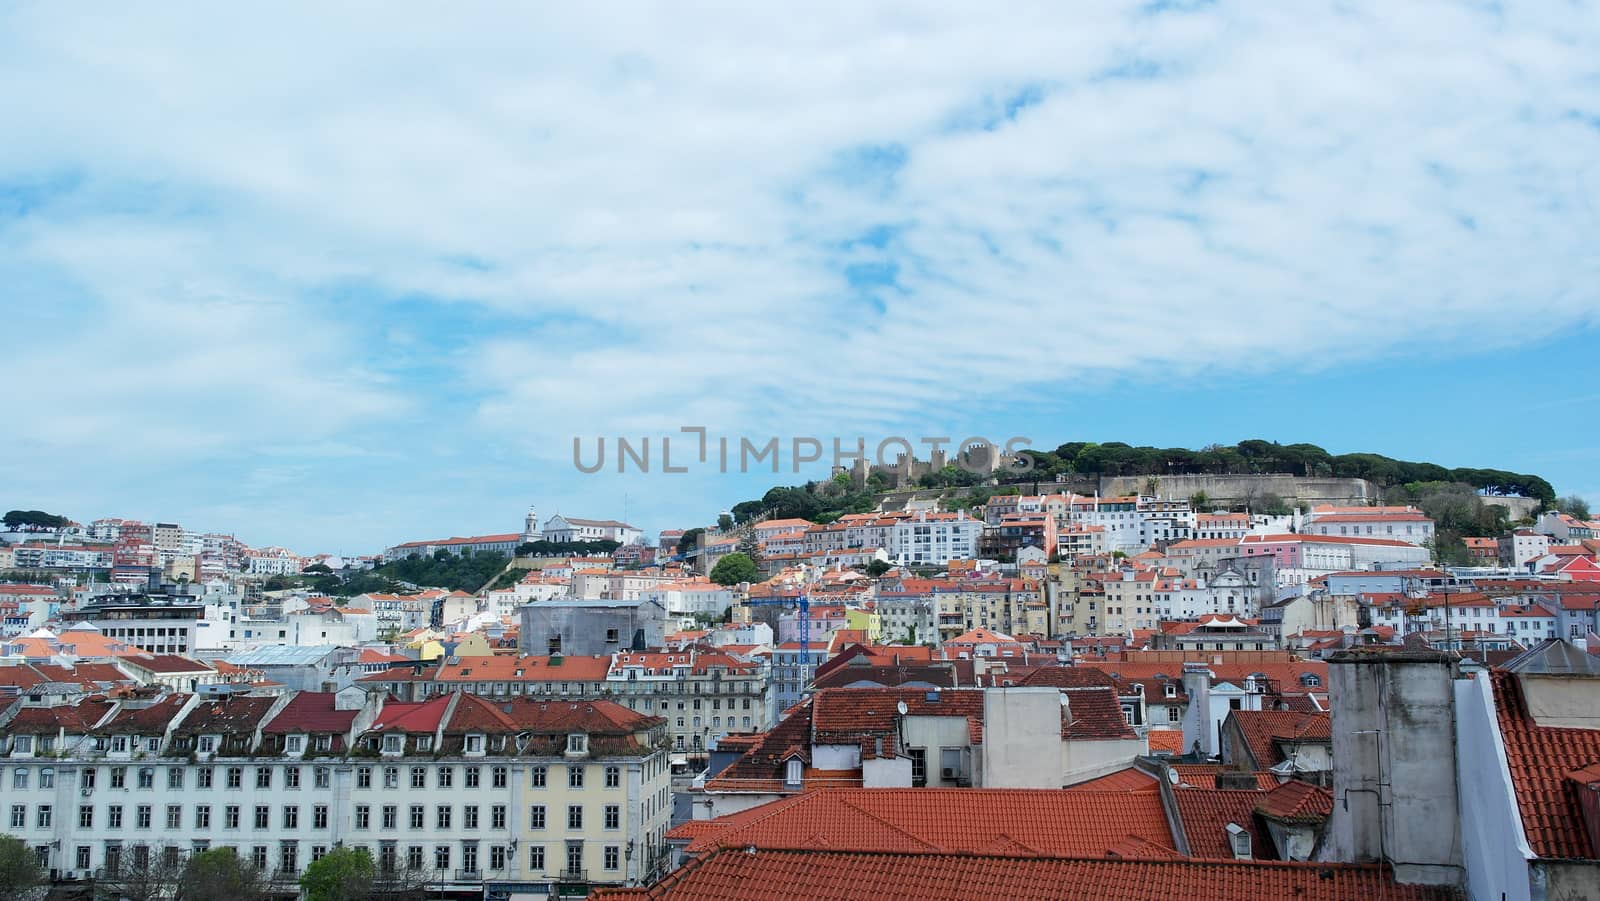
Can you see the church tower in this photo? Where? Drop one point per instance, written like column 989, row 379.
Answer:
column 530, row 526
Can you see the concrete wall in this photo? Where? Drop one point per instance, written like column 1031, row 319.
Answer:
column 1395, row 791
column 934, row 733
column 1021, row 733
column 1083, row 759
column 1562, row 701
column 1565, row 880
column 886, row 772
column 1234, row 488
column 1492, row 841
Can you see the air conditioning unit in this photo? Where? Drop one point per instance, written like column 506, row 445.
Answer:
column 949, row 773
column 86, row 791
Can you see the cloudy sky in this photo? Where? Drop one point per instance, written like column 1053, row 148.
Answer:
column 338, row 278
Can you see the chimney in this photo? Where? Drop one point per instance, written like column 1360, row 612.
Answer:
column 1198, row 727
column 1394, row 780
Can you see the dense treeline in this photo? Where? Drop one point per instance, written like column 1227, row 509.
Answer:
column 543, row 548
column 464, row 572
column 34, row 519
column 826, row 501
column 1258, row 457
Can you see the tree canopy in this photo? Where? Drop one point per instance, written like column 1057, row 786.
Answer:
column 735, row 568
column 543, row 548
column 20, row 872
column 342, row 874
column 220, row 873
column 36, row 519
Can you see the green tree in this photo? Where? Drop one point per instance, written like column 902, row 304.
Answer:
column 220, row 873
column 733, row 569
column 1573, row 506
column 725, row 522
column 690, row 540
column 318, row 569
column 876, row 568
column 20, row 872
column 1199, row 501
column 343, row 874
column 37, row 519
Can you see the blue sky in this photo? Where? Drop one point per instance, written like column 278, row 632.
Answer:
column 335, row 279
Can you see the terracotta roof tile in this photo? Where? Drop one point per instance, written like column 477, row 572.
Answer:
column 1024, row 822
column 1206, row 813
column 1130, row 779
column 1263, row 728
column 740, row 875
column 1539, row 759
column 1297, row 802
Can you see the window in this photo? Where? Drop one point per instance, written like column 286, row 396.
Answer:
column 319, row 816
column 235, row 777
column 291, row 777
column 288, row 854
column 497, row 817
column 263, row 777
column 318, row 852
column 574, row 857
column 88, row 777
column 86, row 817
column 919, row 767
column 147, row 777
column 363, row 777
column 414, row 857
column 447, row 776
column 263, row 816
column 207, row 744
column 19, row 816
column 291, row 817
column 469, row 816
column 442, row 817
column 363, row 816
column 497, row 777
column 535, row 816
column 471, row 776
column 574, row 776
column 393, row 744
column 613, row 857
column 536, row 858
column 19, row 779
column 613, row 776
column 45, row 816
column 575, row 816
column 416, row 816
column 469, row 856
column 203, row 777
column 230, row 817
column 419, row 777
column 474, row 744
column 391, row 777
column 613, row 816
column 47, row 778
column 536, row 776
column 174, row 816
column 321, row 776
column 577, row 743
column 497, row 857
column 83, row 857
column 441, row 857
column 391, row 816
column 202, row 816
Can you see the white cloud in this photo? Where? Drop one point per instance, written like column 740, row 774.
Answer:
column 654, row 207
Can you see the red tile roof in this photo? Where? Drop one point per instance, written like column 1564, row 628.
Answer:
column 740, row 875
column 420, row 717
column 1165, row 741
column 1263, row 728
column 230, row 715
column 1094, row 713
column 1131, row 779
column 1297, row 802
column 1206, row 813
column 1021, row 822
column 853, row 715
column 1539, row 759
column 311, row 712
column 1204, row 775
column 166, row 664
column 144, row 720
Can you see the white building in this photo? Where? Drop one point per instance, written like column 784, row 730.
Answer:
column 934, row 539
column 464, row 792
column 564, row 529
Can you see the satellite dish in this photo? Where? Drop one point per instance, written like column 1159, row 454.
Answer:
column 901, row 706
column 1172, row 776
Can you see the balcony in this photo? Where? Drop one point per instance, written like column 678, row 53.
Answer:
column 571, row 874
column 469, row 875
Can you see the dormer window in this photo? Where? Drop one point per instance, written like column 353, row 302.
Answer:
column 208, row 744
column 1171, row 690
column 22, row 744
column 153, row 745
column 393, row 744
column 577, row 743
column 424, row 743
column 295, row 744
column 474, row 744
column 324, row 743
column 119, row 744
column 793, row 772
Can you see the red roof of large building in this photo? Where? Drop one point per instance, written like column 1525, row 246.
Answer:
column 1020, row 822
column 1206, row 813
column 311, row 712
column 1263, row 728
column 742, row 875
